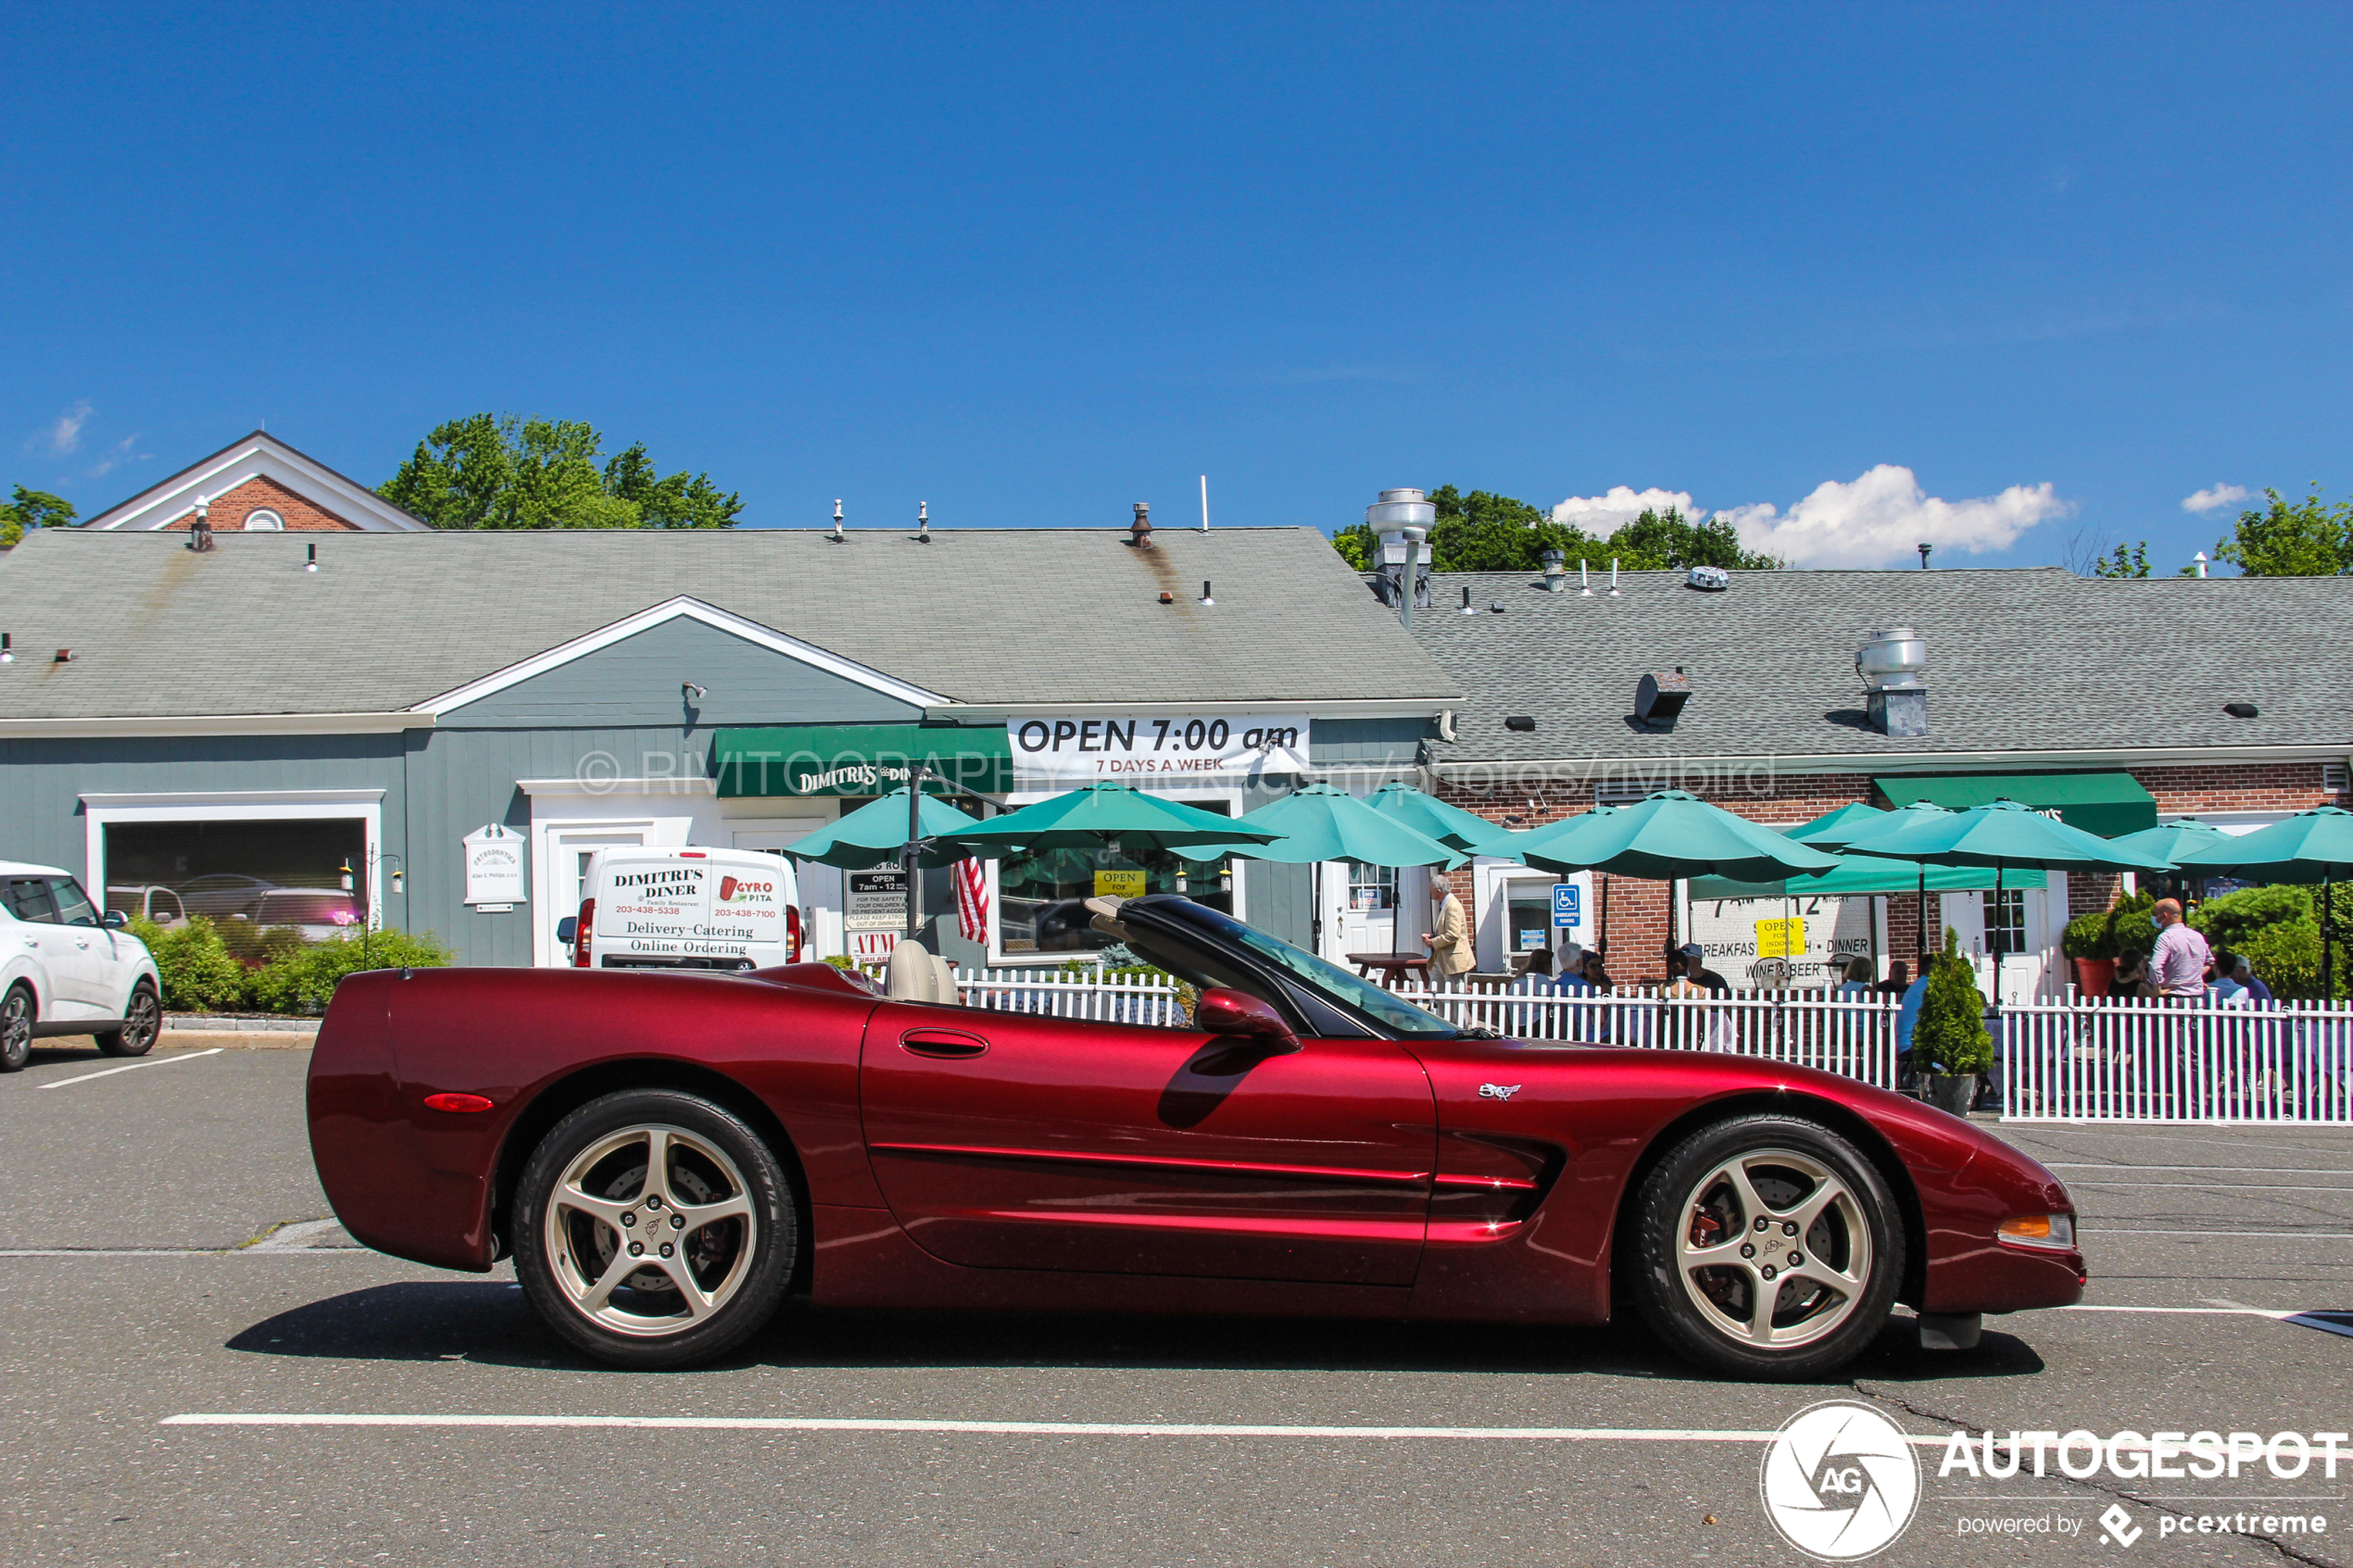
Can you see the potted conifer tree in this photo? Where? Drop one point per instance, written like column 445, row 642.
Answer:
column 1950, row 1038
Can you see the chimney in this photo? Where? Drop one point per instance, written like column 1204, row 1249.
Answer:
column 1893, row 665
column 1140, row 532
column 1402, row 519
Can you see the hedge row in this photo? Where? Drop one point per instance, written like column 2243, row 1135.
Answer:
column 200, row 974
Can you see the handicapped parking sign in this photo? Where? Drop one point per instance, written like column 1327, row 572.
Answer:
column 1568, row 905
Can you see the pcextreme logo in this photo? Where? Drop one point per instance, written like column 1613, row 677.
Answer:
column 1840, row 1481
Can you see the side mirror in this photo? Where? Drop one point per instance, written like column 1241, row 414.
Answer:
column 567, row 929
column 1237, row 1013
column 114, row 920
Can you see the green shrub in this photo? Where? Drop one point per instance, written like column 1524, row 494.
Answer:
column 2087, row 936
column 2130, row 928
column 2235, row 918
column 199, row 972
column 304, row 980
column 1950, row 1036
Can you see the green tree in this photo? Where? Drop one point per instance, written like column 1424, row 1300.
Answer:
column 33, row 509
column 2307, row 538
column 1950, row 1036
column 1486, row 531
column 501, row 471
column 2124, row 563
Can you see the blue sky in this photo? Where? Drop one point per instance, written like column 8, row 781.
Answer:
column 1031, row 264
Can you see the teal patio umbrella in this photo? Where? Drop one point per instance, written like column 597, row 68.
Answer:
column 2175, row 840
column 877, row 831
column 1833, row 825
column 1667, row 837
column 1106, row 816
column 2315, row 845
column 1551, row 837
column 1434, row 818
column 1999, row 833
column 1319, row 823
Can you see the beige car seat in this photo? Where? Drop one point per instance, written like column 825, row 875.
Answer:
column 911, row 975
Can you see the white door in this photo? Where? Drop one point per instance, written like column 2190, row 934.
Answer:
column 2016, row 925
column 569, row 855
column 63, row 933
column 1360, row 910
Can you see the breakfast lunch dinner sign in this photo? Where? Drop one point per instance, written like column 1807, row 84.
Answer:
column 1162, row 749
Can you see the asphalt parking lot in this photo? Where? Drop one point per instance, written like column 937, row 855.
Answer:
column 169, row 1255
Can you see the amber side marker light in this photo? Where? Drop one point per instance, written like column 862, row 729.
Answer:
column 463, row 1104
column 2054, row 1231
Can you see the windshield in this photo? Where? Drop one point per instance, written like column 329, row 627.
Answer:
column 1338, row 984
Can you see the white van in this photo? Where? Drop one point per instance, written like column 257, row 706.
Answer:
column 651, row 907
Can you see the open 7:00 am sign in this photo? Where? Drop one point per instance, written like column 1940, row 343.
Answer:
column 1080, row 750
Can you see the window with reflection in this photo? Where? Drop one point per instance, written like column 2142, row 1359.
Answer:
column 1042, row 898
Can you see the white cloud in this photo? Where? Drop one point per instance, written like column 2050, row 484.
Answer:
column 1884, row 516
column 116, row 455
column 65, row 436
column 1602, row 516
column 2214, row 499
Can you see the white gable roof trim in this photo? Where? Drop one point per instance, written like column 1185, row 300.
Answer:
column 258, row 455
column 693, row 609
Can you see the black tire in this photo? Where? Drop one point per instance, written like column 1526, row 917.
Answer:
column 1692, row 1223
column 570, row 1253
column 142, row 1022
column 17, row 1013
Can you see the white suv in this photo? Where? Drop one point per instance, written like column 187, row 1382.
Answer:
column 64, row 969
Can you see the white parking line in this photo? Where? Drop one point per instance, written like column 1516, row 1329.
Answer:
column 2218, row 1170
column 1006, row 1428
column 2207, row 1187
column 2194, row 1311
column 133, row 1066
column 2151, row 1230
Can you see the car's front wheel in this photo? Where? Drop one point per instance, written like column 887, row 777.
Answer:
column 142, row 1022
column 1766, row 1247
column 16, row 1028
column 655, row 1229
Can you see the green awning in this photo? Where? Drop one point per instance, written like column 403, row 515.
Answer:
column 1860, row 875
column 2106, row 804
column 860, row 759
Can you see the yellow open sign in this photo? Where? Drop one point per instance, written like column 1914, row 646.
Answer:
column 1781, row 938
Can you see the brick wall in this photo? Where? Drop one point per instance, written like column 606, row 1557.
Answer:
column 228, row 509
column 1635, row 933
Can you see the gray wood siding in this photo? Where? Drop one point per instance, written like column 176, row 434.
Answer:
column 1366, row 743
column 636, row 681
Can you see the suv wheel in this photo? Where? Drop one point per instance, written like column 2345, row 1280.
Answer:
column 142, row 1022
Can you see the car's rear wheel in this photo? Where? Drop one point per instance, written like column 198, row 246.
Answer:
column 1766, row 1247
column 654, row 1228
column 16, row 1028
column 142, row 1022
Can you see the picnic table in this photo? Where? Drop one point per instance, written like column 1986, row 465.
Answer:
column 1392, row 965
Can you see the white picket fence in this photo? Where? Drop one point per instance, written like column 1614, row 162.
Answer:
column 2097, row 1060
column 2078, row 1059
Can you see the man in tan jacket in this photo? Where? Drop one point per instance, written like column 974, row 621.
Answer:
column 1450, row 945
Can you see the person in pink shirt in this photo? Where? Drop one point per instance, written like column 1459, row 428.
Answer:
column 2177, row 964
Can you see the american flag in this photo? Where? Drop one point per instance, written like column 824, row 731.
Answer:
column 972, row 900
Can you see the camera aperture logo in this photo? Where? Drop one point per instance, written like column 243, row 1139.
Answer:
column 1840, row 1481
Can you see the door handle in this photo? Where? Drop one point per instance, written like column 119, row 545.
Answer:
column 948, row 1043
column 80, row 944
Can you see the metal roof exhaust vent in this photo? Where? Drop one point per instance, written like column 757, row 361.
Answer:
column 1707, row 579
column 1893, row 667
column 1659, row 698
column 837, row 533
column 1403, row 518
column 1555, row 570
column 1140, row 532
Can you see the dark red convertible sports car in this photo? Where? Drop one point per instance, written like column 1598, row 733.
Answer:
column 668, row 1155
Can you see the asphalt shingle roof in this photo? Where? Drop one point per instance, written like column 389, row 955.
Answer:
column 2027, row 660
column 980, row 616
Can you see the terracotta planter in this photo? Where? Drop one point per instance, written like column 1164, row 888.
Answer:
column 2095, row 977
column 1955, row 1092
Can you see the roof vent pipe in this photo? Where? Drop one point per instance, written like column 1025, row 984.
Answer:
column 837, row 521
column 1925, row 548
column 310, row 562
column 1894, row 665
column 1140, row 532
column 1402, row 519
column 1555, row 570
column 7, row 648
column 923, row 522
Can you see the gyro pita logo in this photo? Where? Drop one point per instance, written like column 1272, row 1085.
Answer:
column 1840, row 1481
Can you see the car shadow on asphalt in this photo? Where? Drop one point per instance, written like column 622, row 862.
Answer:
column 489, row 1322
